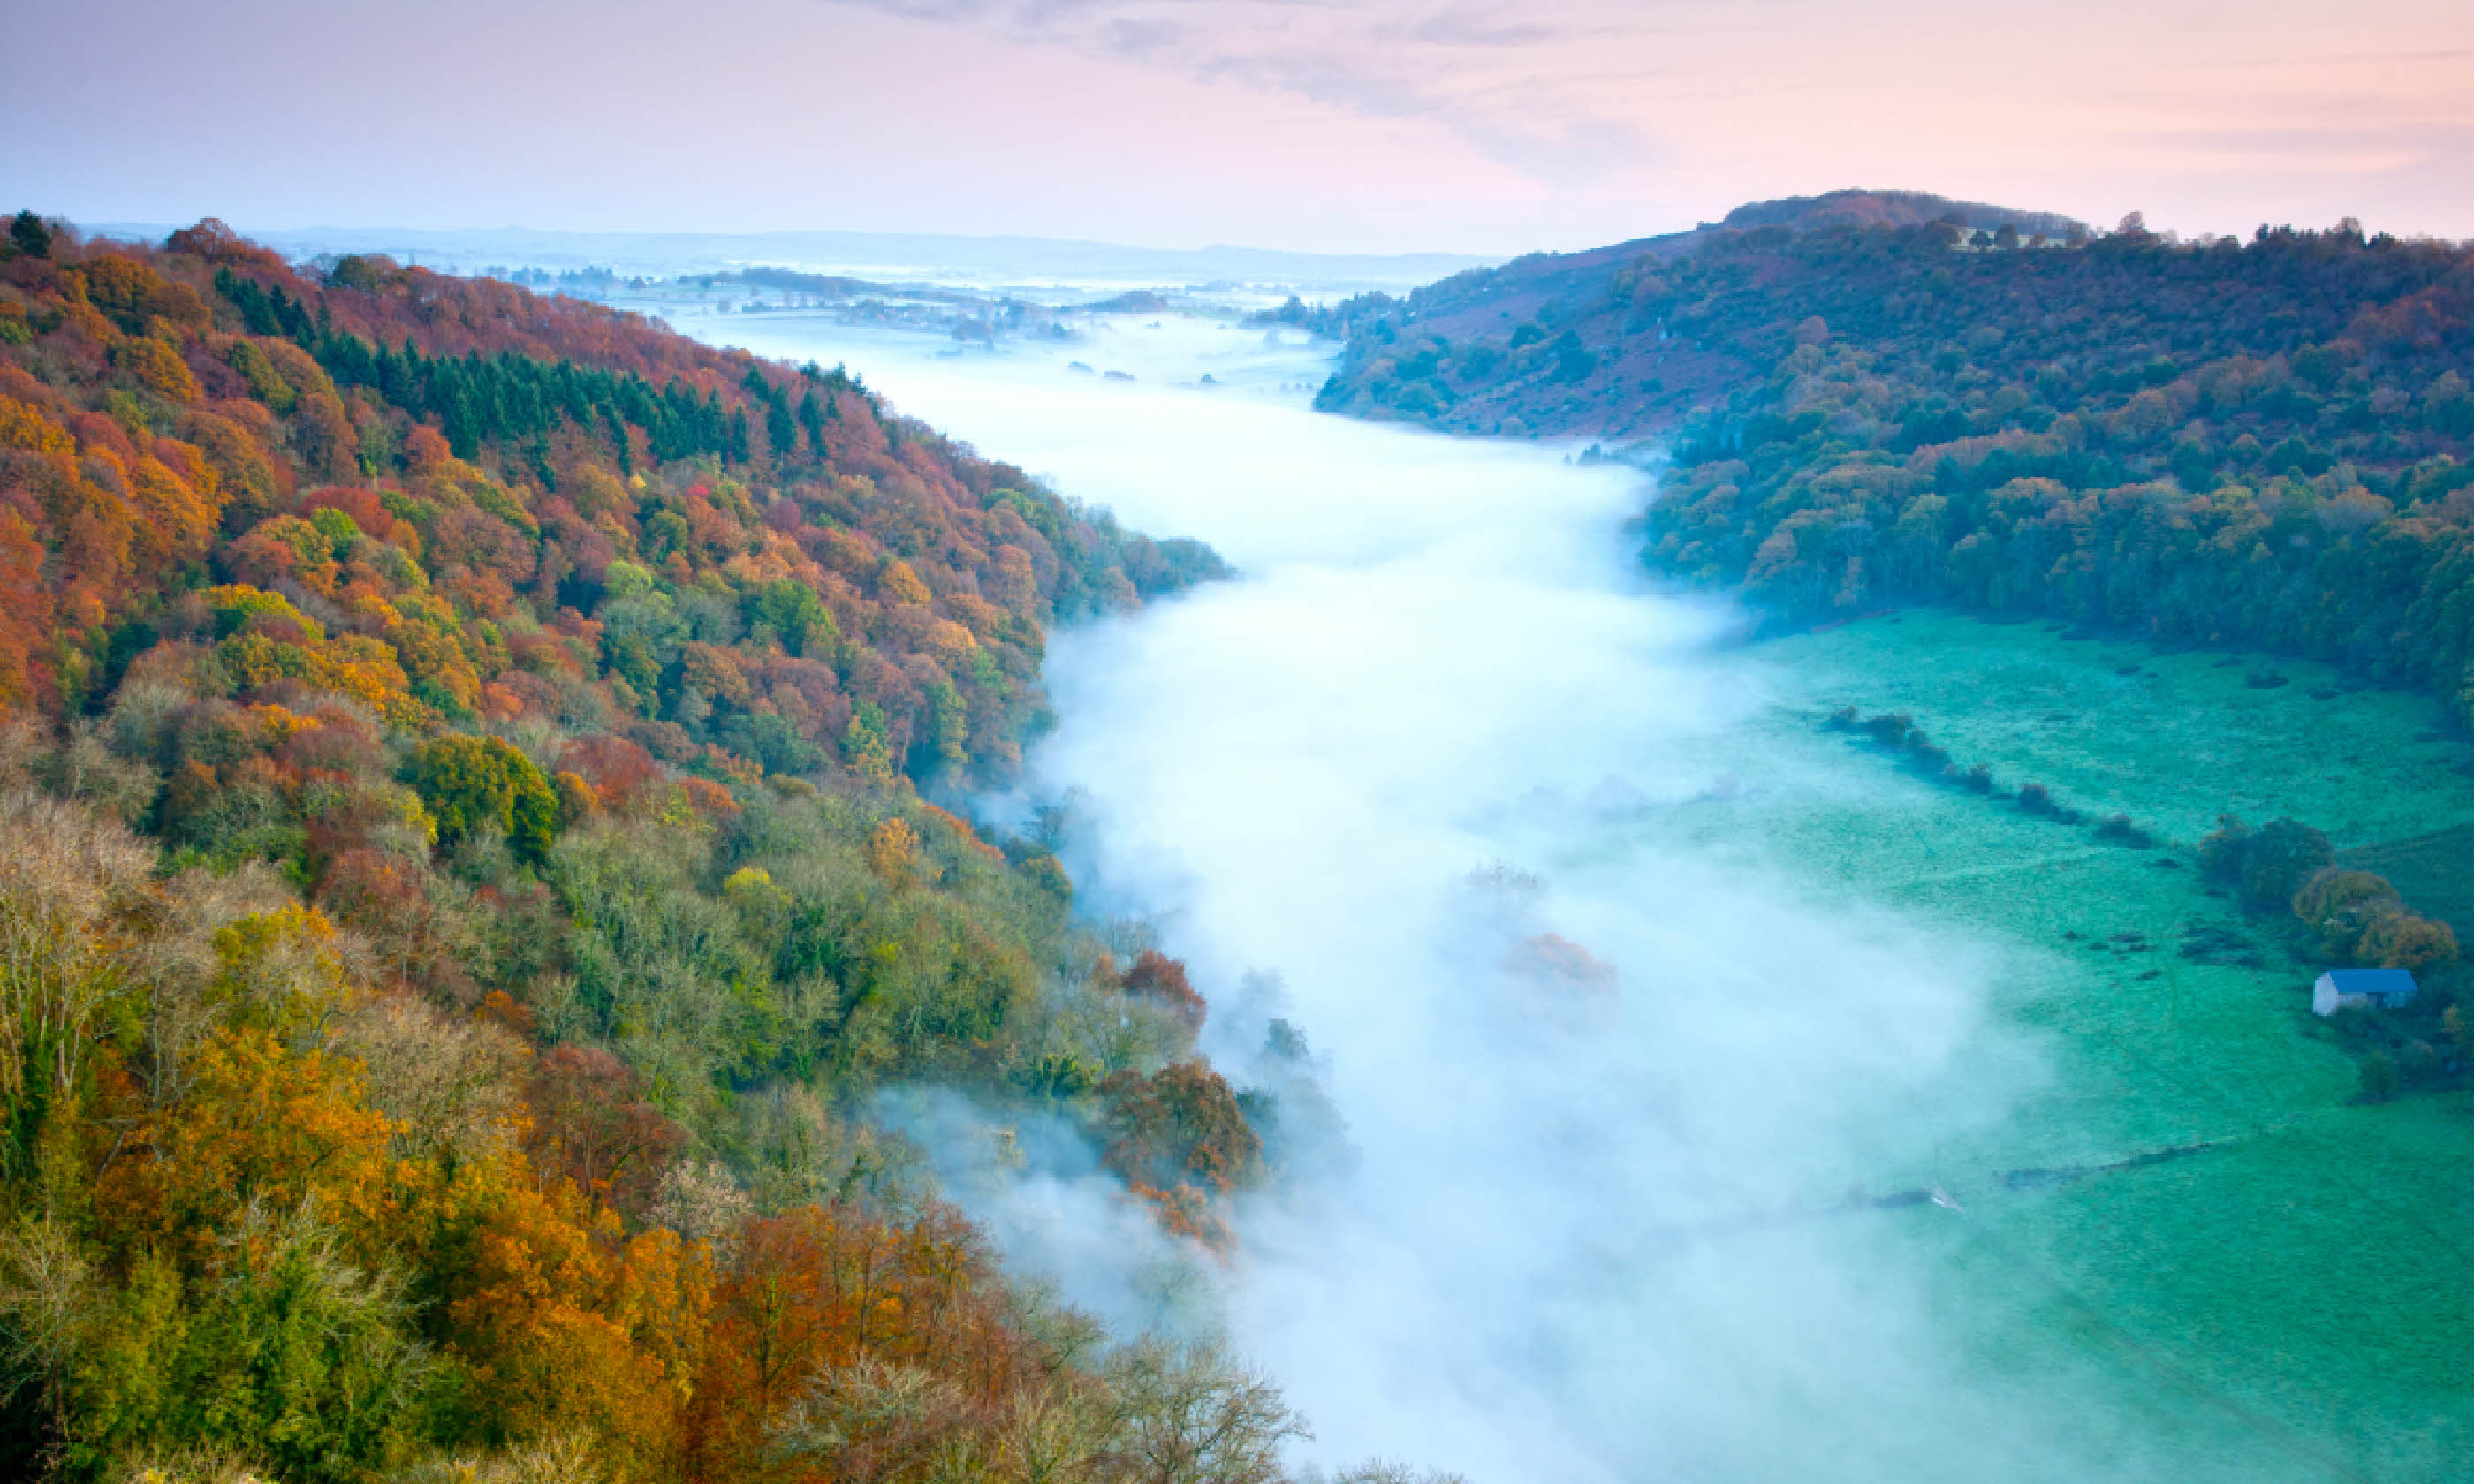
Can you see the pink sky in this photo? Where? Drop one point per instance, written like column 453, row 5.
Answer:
column 1333, row 125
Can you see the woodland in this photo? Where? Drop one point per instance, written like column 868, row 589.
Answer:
column 1868, row 399
column 461, row 760
column 2259, row 444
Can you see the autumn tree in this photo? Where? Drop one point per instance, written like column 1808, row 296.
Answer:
column 591, row 1124
column 1156, row 976
column 1179, row 1125
column 471, row 783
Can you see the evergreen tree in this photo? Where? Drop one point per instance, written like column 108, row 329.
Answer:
column 29, row 236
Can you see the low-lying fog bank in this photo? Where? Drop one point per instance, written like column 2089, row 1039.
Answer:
column 1638, row 1141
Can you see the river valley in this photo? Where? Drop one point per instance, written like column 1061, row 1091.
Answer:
column 1678, row 1099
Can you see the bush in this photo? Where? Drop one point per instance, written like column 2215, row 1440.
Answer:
column 2379, row 1079
column 2039, row 800
column 2220, row 853
column 2118, row 828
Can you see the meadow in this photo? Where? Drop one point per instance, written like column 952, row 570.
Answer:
column 2188, row 1208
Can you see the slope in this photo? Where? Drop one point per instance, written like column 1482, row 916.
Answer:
column 466, row 879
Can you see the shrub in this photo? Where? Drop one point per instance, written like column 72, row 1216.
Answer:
column 2220, row 853
column 2120, row 830
column 2379, row 1079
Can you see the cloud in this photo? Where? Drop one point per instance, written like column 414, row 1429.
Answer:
column 1476, row 28
column 1499, row 77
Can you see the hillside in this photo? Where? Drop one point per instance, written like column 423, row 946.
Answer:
column 1486, row 378
column 2261, row 443
column 539, row 508
column 465, row 880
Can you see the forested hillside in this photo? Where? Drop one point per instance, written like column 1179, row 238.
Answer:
column 464, row 874
column 1546, row 344
column 2261, row 443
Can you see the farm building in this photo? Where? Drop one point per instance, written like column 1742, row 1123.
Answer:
column 2382, row 988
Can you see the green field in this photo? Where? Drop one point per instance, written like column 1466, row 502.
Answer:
column 2295, row 1299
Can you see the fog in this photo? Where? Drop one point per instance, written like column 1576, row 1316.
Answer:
column 1691, row 1222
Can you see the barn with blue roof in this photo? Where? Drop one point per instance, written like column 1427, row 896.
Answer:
column 2385, row 988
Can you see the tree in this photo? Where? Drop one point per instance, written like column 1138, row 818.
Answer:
column 781, row 433
column 297, row 1355
column 593, row 1125
column 1181, row 1125
column 793, row 612
column 2341, row 906
column 2277, row 860
column 2379, row 1079
column 2448, row 404
column 1383, row 1470
column 256, row 1127
column 1157, row 976
column 67, row 966
column 1192, row 1415
column 28, row 234
column 469, row 783
column 568, row 1324
column 2406, row 939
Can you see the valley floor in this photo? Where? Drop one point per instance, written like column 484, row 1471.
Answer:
column 2191, row 1202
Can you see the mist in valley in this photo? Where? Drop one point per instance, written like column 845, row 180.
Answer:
column 1612, row 1154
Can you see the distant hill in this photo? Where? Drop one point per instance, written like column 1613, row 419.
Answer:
column 1131, row 302
column 1873, row 396
column 1900, row 208
column 909, row 257
column 1592, row 294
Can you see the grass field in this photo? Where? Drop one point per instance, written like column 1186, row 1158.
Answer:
column 2173, row 738
column 2434, row 871
column 2295, row 1299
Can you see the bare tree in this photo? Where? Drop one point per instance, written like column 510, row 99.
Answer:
column 1192, row 1415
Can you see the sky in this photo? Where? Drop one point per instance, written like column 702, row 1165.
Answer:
column 1474, row 126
